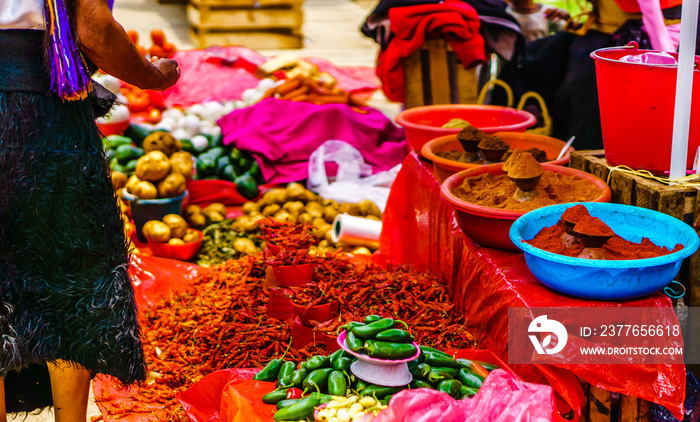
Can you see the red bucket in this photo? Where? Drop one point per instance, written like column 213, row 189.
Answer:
column 280, row 304
column 294, row 275
column 636, row 110
column 423, row 124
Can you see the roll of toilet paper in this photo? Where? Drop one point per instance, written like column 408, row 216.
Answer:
column 356, row 231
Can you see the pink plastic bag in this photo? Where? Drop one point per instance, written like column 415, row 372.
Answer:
column 502, row 398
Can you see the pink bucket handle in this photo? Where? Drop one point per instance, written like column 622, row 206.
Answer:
column 633, row 45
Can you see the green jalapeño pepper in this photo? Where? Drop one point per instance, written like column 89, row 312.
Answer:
column 361, row 385
column 337, row 384
column 466, row 391
column 379, row 392
column 270, row 371
column 301, row 410
column 434, row 359
column 353, row 342
column 420, row 384
column 286, row 369
column 275, row 396
column 335, row 355
column 393, row 351
column 298, row 377
column 470, row 379
column 421, row 371
column 286, row 403
column 372, row 318
column 452, row 371
column 317, row 362
column 450, row 387
column 371, row 330
column 317, row 378
column 285, row 382
column 395, row 335
column 349, row 326
column 426, row 349
column 342, row 364
column 437, row 376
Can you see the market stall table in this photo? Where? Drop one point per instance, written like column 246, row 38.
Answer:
column 420, row 228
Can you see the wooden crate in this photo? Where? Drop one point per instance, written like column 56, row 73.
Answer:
column 600, row 407
column 434, row 75
column 677, row 201
column 260, row 24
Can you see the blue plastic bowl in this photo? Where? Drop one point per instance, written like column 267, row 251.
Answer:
column 144, row 210
column 601, row 279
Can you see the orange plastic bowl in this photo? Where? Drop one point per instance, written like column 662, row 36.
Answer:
column 444, row 168
column 181, row 252
column 423, row 124
column 491, row 226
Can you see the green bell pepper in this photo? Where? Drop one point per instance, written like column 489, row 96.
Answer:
column 137, row 133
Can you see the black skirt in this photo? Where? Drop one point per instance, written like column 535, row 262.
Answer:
column 64, row 288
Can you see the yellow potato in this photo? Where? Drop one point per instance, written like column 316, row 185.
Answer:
column 156, row 231
column 177, row 224
column 271, row 210
column 181, row 162
column 119, row 179
column 152, row 166
column 251, row 207
column 176, row 242
column 145, row 190
column 172, row 186
column 216, row 206
column 190, row 236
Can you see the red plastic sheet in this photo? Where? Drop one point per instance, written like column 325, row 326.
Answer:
column 230, row 395
column 232, row 66
column 419, row 228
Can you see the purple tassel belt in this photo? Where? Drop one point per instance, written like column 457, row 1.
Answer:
column 22, row 64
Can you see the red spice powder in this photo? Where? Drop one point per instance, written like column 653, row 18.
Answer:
column 574, row 213
column 619, row 248
column 592, row 226
column 616, row 248
column 550, row 239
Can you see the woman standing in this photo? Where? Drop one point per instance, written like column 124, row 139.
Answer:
column 65, row 296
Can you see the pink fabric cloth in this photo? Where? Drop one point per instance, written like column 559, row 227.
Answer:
column 223, row 73
column 283, row 134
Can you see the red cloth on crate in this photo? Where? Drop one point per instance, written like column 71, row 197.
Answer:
column 420, row 228
column 453, row 20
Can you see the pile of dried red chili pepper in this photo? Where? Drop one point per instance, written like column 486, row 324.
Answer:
column 289, row 236
column 220, row 322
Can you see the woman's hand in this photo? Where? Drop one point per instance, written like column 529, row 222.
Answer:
column 107, row 45
column 170, row 71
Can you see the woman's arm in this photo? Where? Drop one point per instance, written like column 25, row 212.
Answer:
column 107, row 45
